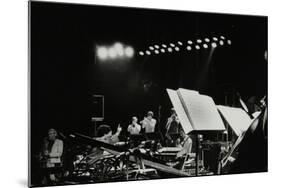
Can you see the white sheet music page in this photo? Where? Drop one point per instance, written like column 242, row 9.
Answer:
column 202, row 111
column 237, row 118
column 185, row 123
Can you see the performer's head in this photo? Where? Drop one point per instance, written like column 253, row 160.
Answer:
column 52, row 134
column 149, row 115
column 182, row 133
column 104, row 131
column 134, row 119
column 173, row 111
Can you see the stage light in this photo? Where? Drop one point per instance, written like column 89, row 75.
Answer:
column 156, row 51
column 162, row 50
column 222, row 37
column 172, row 44
column 197, row 47
column 164, row 45
column 189, row 42
column 215, row 38
column 180, row 43
column 112, row 53
column 188, row 48
column 221, row 42
column 170, row 49
column 205, row 45
column 119, row 49
column 102, row 53
column 129, row 51
column 141, row 53
column 177, row 48
column 214, row 45
column 229, row 42
column 207, row 40
column 199, row 41
column 147, row 52
column 151, row 48
column 156, row 46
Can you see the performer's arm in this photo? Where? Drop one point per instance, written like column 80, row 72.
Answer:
column 114, row 137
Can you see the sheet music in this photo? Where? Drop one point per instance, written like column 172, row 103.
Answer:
column 202, row 111
column 185, row 123
column 237, row 118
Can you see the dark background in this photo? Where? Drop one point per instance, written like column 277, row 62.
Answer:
column 65, row 73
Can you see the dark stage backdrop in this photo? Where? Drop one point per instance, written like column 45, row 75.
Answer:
column 65, row 72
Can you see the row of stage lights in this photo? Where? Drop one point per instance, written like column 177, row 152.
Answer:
column 116, row 51
column 198, row 44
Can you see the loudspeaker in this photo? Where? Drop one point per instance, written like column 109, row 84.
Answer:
column 98, row 108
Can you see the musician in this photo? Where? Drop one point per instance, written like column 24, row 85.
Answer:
column 148, row 123
column 173, row 122
column 104, row 133
column 51, row 155
column 185, row 143
column 172, row 127
column 134, row 127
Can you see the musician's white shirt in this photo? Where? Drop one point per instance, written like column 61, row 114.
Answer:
column 149, row 125
column 134, row 129
column 56, row 153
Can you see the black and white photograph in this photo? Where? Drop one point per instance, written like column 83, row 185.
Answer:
column 122, row 94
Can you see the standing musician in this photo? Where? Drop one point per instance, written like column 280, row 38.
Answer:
column 172, row 127
column 51, row 156
column 173, row 123
column 148, row 123
column 134, row 127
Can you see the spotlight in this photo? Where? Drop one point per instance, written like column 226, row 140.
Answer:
column 141, row 53
column 229, row 42
column 119, row 48
column 199, row 41
column 189, row 42
column 207, row 40
column 147, row 52
column 197, row 47
column 164, row 45
column 205, row 46
column 156, row 46
column 215, row 38
column 162, row 50
column 188, row 48
column 222, row 37
column 112, row 53
column 177, row 48
column 171, row 44
column 221, row 42
column 102, row 53
column 180, row 43
column 151, row 48
column 214, row 45
column 170, row 49
column 156, row 51
column 129, row 51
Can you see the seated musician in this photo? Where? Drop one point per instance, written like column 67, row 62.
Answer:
column 51, row 156
column 134, row 127
column 104, row 133
column 172, row 127
column 148, row 123
column 185, row 143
